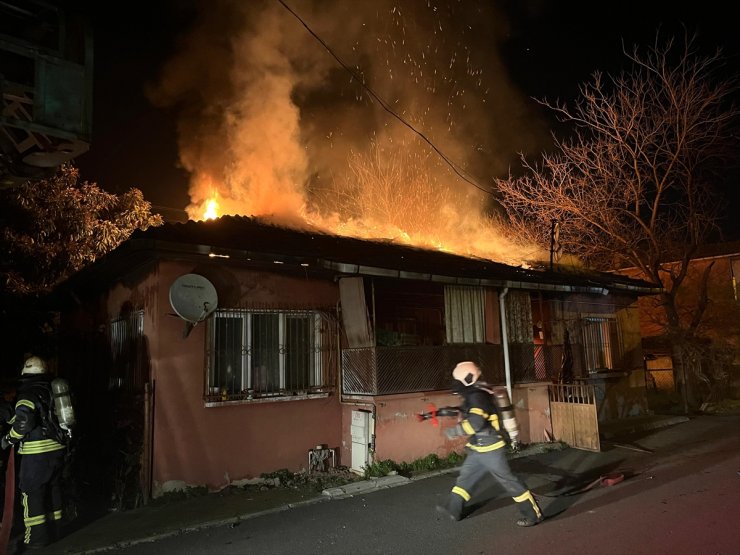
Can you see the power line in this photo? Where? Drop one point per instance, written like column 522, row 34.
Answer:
column 459, row 171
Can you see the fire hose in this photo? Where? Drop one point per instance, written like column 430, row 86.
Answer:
column 432, row 413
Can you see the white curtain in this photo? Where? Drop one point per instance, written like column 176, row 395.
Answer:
column 464, row 314
column 355, row 317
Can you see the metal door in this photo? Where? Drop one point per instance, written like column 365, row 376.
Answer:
column 360, row 431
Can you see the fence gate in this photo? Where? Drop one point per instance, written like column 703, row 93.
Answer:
column 574, row 417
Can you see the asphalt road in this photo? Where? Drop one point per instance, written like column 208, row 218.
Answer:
column 682, row 499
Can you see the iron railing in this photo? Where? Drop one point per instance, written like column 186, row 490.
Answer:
column 392, row 370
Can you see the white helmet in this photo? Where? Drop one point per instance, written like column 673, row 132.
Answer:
column 34, row 365
column 466, row 372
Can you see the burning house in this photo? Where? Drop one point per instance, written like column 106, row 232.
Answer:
column 231, row 347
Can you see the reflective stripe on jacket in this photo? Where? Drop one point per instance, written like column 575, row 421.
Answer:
column 26, row 426
column 481, row 421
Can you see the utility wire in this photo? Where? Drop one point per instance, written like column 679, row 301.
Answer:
column 459, row 171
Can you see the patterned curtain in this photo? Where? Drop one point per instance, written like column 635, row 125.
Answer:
column 558, row 325
column 519, row 324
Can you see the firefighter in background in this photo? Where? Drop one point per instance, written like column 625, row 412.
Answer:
column 485, row 449
column 42, row 457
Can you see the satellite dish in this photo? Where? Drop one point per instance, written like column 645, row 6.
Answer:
column 193, row 298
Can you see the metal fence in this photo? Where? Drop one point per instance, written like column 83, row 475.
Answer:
column 660, row 380
column 390, row 370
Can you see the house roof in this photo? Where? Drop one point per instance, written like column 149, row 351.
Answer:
column 729, row 249
column 252, row 242
column 718, row 250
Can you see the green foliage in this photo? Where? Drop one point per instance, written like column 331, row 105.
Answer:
column 425, row 464
column 51, row 228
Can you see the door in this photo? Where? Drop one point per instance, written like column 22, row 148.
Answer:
column 360, row 431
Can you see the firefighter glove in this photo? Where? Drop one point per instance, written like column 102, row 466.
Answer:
column 454, row 432
column 4, row 443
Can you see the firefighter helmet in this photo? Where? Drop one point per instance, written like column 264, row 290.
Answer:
column 34, row 365
column 466, row 373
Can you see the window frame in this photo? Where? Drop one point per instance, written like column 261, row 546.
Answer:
column 592, row 352
column 126, row 342
column 247, row 392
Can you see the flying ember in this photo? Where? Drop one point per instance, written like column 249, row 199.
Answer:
column 288, row 134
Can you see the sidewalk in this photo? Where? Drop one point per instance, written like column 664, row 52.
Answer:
column 121, row 529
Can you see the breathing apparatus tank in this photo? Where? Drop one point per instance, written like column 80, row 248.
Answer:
column 501, row 396
column 63, row 403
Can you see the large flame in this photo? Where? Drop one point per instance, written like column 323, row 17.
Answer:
column 286, row 138
column 211, row 209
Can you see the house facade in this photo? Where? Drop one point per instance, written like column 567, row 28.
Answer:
column 718, row 333
column 324, row 344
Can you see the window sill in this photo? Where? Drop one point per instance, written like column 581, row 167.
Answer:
column 210, row 402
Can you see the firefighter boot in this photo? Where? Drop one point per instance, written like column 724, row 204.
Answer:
column 529, row 509
column 453, row 509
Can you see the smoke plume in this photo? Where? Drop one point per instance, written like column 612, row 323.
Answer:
column 271, row 125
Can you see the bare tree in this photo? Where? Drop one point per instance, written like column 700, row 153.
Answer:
column 633, row 185
column 389, row 190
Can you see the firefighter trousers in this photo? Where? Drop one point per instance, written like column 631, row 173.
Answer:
column 475, row 467
column 41, row 496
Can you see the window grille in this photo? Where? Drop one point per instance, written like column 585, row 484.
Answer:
column 601, row 344
column 261, row 353
column 128, row 352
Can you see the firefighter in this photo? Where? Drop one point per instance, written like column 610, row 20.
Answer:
column 479, row 419
column 42, row 456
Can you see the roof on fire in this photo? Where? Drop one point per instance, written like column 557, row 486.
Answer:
column 252, row 242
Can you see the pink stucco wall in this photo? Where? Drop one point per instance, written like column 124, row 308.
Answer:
column 195, row 445
column 399, row 436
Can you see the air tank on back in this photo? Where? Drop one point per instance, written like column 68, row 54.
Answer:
column 63, row 403
column 501, row 395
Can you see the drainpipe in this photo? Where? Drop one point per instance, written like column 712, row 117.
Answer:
column 505, row 339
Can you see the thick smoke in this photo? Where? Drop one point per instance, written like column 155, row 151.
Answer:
column 271, row 125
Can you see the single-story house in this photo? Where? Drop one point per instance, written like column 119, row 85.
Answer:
column 299, row 340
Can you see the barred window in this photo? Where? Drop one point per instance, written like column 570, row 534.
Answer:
column 129, row 367
column 256, row 354
column 601, row 343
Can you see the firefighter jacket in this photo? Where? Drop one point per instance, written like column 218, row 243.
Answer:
column 480, row 420
column 29, row 425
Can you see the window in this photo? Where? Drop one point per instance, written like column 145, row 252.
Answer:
column 129, row 367
column 601, row 344
column 265, row 353
column 464, row 314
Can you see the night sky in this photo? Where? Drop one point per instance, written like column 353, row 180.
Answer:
column 542, row 49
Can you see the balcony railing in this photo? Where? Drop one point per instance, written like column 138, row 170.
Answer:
column 392, row 370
